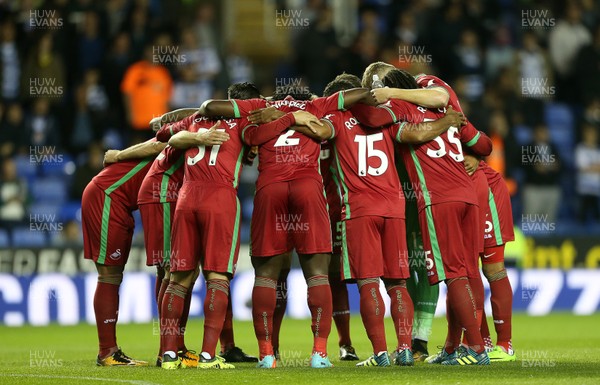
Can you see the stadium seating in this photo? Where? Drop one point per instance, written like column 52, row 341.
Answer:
column 25, row 237
column 59, row 169
column 25, row 168
column 50, row 190
column 561, row 125
column 71, row 211
column 4, row 239
column 42, row 209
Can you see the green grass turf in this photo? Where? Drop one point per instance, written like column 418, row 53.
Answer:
column 556, row 349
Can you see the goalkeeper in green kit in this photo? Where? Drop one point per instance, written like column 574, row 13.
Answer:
column 424, row 296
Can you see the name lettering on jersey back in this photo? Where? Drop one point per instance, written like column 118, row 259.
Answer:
column 299, row 104
column 351, row 123
column 200, row 119
column 231, row 123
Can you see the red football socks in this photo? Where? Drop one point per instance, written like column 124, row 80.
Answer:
column 280, row 307
column 319, row 303
column 454, row 329
column 402, row 311
column 264, row 297
column 215, row 308
column 462, row 303
column 341, row 308
column 485, row 331
column 226, row 338
column 183, row 322
column 106, row 309
column 372, row 311
column 171, row 311
column 502, row 298
column 161, row 294
column 476, row 285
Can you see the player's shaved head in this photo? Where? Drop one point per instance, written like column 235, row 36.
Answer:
column 378, row 68
column 399, row 79
column 243, row 90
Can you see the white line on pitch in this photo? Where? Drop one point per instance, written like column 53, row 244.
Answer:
column 134, row 382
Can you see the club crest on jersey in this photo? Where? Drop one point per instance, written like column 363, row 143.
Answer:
column 116, row 255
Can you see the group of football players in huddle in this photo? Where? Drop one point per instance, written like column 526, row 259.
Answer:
column 367, row 184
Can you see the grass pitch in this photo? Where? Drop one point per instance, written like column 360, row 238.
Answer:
column 556, row 349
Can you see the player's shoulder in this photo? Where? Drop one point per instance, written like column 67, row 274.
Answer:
column 345, row 118
column 424, row 80
column 336, row 114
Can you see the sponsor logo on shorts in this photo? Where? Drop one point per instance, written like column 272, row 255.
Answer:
column 488, row 255
column 116, row 255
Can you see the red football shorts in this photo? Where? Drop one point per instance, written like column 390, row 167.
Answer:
column 107, row 227
column 499, row 221
column 156, row 220
column 290, row 215
column 449, row 230
column 206, row 228
column 374, row 247
column 494, row 254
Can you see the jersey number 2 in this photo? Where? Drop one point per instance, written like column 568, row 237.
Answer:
column 286, row 140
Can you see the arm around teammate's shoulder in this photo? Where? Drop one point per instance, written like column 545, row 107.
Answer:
column 426, row 131
column 187, row 139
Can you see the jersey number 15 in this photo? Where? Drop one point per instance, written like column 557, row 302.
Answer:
column 366, row 149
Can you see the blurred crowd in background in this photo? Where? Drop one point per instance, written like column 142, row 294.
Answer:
column 81, row 76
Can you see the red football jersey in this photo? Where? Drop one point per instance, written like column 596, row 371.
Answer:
column 215, row 164
column 436, row 168
column 365, row 164
column 164, row 179
column 427, row 81
column 122, row 180
column 492, row 175
column 291, row 155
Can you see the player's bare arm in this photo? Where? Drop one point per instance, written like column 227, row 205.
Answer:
column 171, row 117
column 322, row 132
column 255, row 135
column 307, row 119
column 187, row 139
column 214, row 108
column 357, row 95
column 424, row 132
column 139, row 151
column 265, row 115
column 435, row 97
